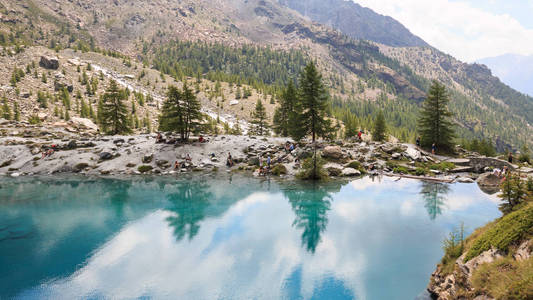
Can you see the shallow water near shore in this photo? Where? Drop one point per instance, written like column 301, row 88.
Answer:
column 227, row 238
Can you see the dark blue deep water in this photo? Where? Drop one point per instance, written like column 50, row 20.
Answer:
column 227, row 238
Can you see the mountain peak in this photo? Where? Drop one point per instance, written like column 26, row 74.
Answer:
column 356, row 21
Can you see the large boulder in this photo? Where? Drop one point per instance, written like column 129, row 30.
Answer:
column 333, row 152
column 489, row 180
column 351, row 172
column 413, row 154
column 85, row 123
column 49, row 62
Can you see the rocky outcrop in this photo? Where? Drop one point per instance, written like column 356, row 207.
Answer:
column 488, row 180
column 448, row 286
column 49, row 62
column 480, row 163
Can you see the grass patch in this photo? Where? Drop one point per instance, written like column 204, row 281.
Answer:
column 505, row 279
column 356, row 165
column 443, row 166
column 503, row 233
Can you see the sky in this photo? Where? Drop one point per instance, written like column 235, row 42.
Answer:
column 467, row 29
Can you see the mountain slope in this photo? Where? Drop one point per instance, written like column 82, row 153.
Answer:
column 356, row 21
column 225, row 40
column 513, row 69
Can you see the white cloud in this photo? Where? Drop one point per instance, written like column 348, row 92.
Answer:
column 458, row 28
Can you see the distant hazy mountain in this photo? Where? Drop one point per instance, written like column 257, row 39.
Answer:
column 356, row 21
column 514, row 70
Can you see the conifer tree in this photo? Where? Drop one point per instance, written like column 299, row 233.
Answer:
column 259, row 120
column 380, row 128
column 285, row 114
column 16, row 111
column 434, row 124
column 312, row 106
column 114, row 113
column 193, row 117
column 6, row 110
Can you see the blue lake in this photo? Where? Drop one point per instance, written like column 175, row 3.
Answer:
column 227, row 238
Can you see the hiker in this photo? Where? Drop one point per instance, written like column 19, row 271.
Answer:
column 287, row 147
column 291, row 147
column 497, row 172
column 269, row 161
column 229, row 161
column 260, row 161
column 177, row 165
column 510, row 157
column 297, row 162
column 360, row 135
column 158, row 138
column 201, row 139
column 188, row 158
column 433, row 148
column 418, row 141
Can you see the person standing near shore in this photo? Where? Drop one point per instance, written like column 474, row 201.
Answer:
column 510, row 159
column 433, row 148
column 418, row 141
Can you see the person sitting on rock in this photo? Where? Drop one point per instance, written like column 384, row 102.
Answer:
column 291, row 148
column 229, row 161
column 201, row 139
column 297, row 162
column 159, row 139
column 188, row 158
column 360, row 135
column 177, row 165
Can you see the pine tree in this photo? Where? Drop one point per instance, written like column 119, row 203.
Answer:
column 16, row 111
column 114, row 112
column 193, row 117
column 350, row 125
column 434, row 124
column 312, row 106
column 171, row 117
column 513, row 192
column 380, row 128
column 285, row 114
column 6, row 110
column 259, row 120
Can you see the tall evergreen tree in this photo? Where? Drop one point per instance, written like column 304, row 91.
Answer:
column 6, row 110
column 114, row 114
column 193, row 117
column 380, row 128
column 171, row 118
column 285, row 114
column 312, row 106
column 434, row 124
column 259, row 120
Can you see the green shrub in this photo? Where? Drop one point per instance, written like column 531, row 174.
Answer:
column 420, row 171
column 145, row 168
column 279, row 169
column 401, row 170
column 510, row 229
column 34, row 120
column 313, row 169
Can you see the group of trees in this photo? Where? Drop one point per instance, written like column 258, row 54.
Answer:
column 181, row 112
column 304, row 111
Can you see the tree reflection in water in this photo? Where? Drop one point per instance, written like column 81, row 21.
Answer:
column 188, row 206
column 311, row 204
column 434, row 195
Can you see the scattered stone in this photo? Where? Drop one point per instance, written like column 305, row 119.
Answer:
column 413, row 154
column 148, row 158
column 396, row 156
column 465, row 180
column 105, row 155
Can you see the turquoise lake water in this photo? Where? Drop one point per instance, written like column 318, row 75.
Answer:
column 227, row 238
